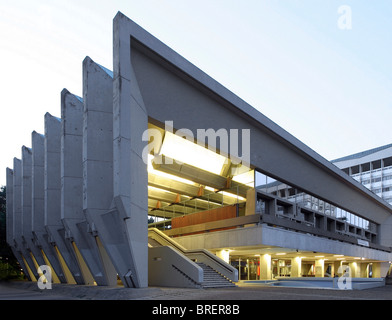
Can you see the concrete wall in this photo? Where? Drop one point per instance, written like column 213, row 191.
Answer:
column 269, row 236
column 72, row 184
column 52, row 201
column 377, row 155
column 27, row 230
column 168, row 268
column 97, row 165
column 10, row 219
column 40, row 236
column 129, row 169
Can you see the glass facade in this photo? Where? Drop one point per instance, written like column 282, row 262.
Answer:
column 299, row 206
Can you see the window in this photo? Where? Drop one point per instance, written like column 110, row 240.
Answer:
column 387, row 162
column 376, row 164
column 365, row 167
column 355, row 170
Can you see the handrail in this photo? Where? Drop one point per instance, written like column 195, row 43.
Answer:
column 198, row 254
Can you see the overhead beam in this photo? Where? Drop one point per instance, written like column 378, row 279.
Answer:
column 197, row 175
column 198, row 191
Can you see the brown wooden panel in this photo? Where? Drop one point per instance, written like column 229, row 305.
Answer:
column 224, row 224
column 222, row 213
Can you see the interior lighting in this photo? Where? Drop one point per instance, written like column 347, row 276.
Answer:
column 246, row 178
column 231, row 195
column 185, row 151
column 158, row 189
column 225, row 193
column 169, row 176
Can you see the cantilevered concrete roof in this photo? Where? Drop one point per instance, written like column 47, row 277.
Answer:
column 156, row 69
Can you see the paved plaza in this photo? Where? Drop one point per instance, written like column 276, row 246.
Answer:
column 30, row 291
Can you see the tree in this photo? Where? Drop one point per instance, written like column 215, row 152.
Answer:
column 2, row 216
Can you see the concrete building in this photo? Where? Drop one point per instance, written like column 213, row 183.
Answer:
column 161, row 176
column 372, row 168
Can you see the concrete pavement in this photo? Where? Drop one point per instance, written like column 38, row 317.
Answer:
column 30, row 291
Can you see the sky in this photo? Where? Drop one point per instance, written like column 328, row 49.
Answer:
column 320, row 69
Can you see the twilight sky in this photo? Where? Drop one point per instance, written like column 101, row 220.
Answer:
column 322, row 74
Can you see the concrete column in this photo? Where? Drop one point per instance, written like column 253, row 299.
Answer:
column 52, row 201
column 380, row 269
column 336, row 265
column 10, row 219
column 265, row 267
column 239, row 269
column 72, row 180
column 355, row 268
column 27, row 231
column 224, row 255
column 129, row 168
column 319, row 268
column 98, row 169
column 30, row 270
column 9, row 206
column 17, row 201
column 296, row 264
column 40, row 236
column 250, row 202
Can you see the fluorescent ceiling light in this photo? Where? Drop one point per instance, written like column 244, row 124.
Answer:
column 231, row 195
column 246, row 178
column 158, row 189
column 151, row 169
column 185, row 151
column 225, row 193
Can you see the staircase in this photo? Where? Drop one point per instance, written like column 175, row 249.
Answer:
column 213, row 279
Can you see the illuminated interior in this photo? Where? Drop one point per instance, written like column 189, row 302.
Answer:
column 210, row 181
column 293, row 263
column 188, row 180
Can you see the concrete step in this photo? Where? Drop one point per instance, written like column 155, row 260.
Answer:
column 213, row 279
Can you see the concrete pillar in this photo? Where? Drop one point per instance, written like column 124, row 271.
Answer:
column 72, row 181
column 17, row 203
column 336, row 265
column 355, row 268
column 265, row 267
column 296, row 264
column 129, row 167
column 9, row 206
column 319, row 268
column 10, row 219
column 30, row 270
column 250, row 202
column 380, row 269
column 52, row 201
column 98, row 167
column 223, row 254
column 27, row 231
column 40, row 236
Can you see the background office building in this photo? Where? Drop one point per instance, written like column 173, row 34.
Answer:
column 124, row 188
column 372, row 168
